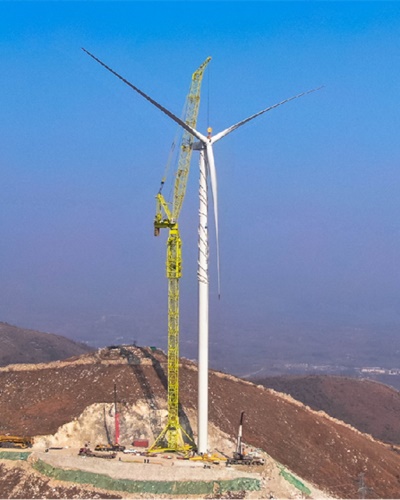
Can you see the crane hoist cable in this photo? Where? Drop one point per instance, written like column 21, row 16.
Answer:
column 174, row 437
column 171, row 155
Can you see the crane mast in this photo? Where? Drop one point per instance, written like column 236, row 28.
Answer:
column 171, row 438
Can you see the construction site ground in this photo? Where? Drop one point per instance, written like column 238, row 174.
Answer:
column 160, row 469
column 126, row 466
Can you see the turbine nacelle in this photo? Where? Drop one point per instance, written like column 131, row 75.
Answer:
column 198, row 146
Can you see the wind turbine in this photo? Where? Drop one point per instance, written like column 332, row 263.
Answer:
column 207, row 168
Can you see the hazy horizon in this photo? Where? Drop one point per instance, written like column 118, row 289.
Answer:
column 308, row 193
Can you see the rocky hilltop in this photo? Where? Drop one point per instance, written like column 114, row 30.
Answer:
column 66, row 403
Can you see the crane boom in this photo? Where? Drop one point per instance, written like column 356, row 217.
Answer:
column 192, row 111
column 171, row 438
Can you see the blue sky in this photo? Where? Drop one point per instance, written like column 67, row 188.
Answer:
column 309, row 205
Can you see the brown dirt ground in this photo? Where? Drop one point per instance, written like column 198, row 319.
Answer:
column 369, row 406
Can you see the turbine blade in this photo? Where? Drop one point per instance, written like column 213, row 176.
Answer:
column 180, row 122
column 214, row 189
column 227, row 131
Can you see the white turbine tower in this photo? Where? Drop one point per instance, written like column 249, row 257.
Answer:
column 207, row 168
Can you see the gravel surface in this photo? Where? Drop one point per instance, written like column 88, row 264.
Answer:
column 134, row 468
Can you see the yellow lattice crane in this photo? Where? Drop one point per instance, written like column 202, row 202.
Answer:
column 173, row 435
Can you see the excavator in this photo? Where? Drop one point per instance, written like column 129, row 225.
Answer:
column 15, row 441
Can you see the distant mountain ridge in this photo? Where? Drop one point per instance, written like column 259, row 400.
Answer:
column 369, row 406
column 20, row 345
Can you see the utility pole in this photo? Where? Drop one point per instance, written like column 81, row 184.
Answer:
column 116, row 415
column 362, row 487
